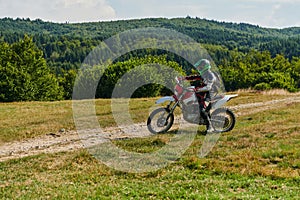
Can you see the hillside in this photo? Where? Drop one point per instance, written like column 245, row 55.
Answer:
column 262, row 58
column 201, row 30
column 87, row 35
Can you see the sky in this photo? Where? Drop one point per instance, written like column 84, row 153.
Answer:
column 265, row 13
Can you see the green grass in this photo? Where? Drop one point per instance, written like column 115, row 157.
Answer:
column 31, row 119
column 259, row 159
column 78, row 175
column 25, row 120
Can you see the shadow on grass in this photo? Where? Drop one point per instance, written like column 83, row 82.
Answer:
column 147, row 154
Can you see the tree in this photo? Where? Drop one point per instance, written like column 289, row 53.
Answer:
column 67, row 80
column 24, row 75
column 127, row 75
column 296, row 70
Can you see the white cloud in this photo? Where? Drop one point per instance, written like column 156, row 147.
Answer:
column 270, row 18
column 266, row 13
column 58, row 10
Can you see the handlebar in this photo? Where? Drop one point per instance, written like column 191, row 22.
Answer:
column 179, row 80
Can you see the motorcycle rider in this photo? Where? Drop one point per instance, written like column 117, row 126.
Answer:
column 204, row 82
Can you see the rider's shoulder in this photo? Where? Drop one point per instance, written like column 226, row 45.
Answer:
column 210, row 75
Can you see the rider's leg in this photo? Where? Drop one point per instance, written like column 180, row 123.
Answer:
column 206, row 116
column 209, row 126
column 205, row 112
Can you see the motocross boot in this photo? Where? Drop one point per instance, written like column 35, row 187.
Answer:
column 209, row 127
column 206, row 117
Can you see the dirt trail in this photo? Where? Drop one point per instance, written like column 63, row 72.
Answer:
column 251, row 108
column 69, row 140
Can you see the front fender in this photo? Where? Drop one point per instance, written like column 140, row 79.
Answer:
column 164, row 99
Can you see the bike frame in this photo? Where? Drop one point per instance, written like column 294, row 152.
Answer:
column 215, row 105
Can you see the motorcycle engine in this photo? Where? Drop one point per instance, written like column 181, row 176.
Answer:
column 191, row 113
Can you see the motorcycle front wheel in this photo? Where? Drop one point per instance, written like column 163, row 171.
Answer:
column 160, row 121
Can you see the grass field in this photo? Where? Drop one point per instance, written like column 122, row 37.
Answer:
column 259, row 159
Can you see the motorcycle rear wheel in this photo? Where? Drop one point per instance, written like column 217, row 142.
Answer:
column 160, row 121
column 223, row 120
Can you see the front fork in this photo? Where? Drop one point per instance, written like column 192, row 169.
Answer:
column 171, row 109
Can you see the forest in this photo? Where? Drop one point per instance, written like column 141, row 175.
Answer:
column 40, row 60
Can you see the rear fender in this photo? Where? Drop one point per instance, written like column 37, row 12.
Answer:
column 223, row 101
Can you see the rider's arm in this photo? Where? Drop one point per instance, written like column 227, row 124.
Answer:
column 193, row 78
column 209, row 81
column 204, row 89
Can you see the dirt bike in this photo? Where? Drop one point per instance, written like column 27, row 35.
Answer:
column 162, row 119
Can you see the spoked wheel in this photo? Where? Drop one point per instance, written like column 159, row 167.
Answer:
column 160, row 121
column 223, row 120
